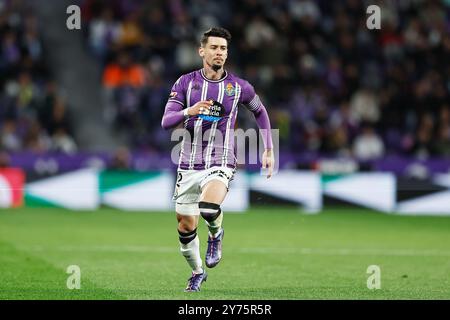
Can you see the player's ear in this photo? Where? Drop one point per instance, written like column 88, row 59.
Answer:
column 201, row 52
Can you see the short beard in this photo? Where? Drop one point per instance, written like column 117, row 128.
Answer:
column 216, row 67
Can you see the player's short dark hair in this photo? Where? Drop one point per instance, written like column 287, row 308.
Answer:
column 215, row 32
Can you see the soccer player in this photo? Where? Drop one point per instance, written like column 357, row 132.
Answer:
column 206, row 101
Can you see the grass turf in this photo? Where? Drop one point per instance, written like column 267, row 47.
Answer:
column 269, row 253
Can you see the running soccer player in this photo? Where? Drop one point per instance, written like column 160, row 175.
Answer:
column 206, row 101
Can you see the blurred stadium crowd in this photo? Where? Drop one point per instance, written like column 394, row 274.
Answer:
column 330, row 85
column 33, row 114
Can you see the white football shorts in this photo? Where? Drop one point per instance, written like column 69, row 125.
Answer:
column 189, row 184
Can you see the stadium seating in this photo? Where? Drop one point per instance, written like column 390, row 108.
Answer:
column 33, row 114
column 331, row 85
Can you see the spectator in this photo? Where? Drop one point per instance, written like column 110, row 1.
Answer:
column 364, row 106
column 10, row 139
column 123, row 72
column 103, row 33
column 442, row 144
column 62, row 142
column 5, row 159
column 130, row 33
column 368, row 145
column 121, row 159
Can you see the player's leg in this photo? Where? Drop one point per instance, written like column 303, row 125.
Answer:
column 186, row 197
column 189, row 241
column 190, row 244
column 213, row 194
column 214, row 191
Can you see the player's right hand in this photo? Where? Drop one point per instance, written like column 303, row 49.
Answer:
column 201, row 107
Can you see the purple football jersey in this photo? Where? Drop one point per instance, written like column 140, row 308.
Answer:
column 209, row 141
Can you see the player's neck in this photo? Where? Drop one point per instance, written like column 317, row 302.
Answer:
column 213, row 75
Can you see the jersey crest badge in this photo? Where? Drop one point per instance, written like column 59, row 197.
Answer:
column 229, row 90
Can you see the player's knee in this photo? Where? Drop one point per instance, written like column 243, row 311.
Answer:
column 209, row 211
column 186, row 223
column 186, row 237
column 186, row 226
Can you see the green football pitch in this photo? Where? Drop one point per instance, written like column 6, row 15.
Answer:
column 268, row 253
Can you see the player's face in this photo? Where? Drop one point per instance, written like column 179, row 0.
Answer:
column 215, row 52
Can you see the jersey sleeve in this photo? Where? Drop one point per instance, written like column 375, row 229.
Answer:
column 178, row 92
column 173, row 112
column 249, row 97
column 252, row 102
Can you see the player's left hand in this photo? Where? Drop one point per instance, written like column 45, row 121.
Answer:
column 268, row 161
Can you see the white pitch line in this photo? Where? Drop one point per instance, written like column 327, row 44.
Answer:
column 253, row 250
column 347, row 252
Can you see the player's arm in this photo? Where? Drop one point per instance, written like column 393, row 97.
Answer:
column 173, row 115
column 254, row 104
column 176, row 111
column 263, row 122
